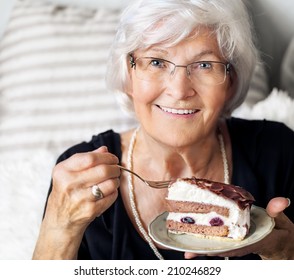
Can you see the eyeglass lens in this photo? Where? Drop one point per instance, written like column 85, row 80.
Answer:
column 206, row 72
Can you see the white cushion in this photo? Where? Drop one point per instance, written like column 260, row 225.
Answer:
column 278, row 106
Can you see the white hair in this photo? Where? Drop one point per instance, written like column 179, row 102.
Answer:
column 139, row 28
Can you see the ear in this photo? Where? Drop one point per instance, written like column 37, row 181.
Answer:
column 232, row 84
column 129, row 82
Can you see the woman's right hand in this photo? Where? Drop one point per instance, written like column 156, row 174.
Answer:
column 71, row 205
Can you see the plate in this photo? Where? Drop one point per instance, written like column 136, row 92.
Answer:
column 261, row 226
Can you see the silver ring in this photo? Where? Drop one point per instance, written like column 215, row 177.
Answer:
column 97, row 192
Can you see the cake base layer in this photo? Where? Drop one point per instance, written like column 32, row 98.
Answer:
column 221, row 231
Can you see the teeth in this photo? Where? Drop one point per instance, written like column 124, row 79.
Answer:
column 178, row 111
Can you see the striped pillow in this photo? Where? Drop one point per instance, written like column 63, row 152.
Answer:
column 52, row 67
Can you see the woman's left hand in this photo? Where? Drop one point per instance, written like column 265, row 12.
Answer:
column 278, row 245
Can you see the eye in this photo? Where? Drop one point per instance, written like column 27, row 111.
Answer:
column 200, row 66
column 155, row 62
column 205, row 65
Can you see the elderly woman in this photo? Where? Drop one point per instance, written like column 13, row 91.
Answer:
column 182, row 67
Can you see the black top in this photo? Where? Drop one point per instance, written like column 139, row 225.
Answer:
column 263, row 163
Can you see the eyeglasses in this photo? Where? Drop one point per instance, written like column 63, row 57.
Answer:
column 157, row 69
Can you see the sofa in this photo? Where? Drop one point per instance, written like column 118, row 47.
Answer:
column 53, row 55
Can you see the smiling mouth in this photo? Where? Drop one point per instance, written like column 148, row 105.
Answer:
column 178, row 111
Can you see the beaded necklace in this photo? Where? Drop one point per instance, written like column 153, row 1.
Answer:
column 131, row 186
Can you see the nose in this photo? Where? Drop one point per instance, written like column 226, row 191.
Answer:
column 179, row 84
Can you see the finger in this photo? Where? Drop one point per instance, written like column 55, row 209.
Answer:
column 95, row 175
column 84, row 208
column 86, row 194
column 103, row 204
column 82, row 161
column 102, row 149
column 275, row 209
column 106, row 188
column 189, row 255
column 277, row 205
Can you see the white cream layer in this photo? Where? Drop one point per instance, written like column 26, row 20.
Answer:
column 237, row 220
column 236, row 230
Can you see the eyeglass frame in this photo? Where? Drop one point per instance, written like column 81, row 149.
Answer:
column 228, row 66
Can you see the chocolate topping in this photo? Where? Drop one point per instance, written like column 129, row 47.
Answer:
column 242, row 197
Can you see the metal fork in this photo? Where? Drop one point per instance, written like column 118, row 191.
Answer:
column 152, row 184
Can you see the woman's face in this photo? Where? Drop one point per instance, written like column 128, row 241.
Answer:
column 175, row 109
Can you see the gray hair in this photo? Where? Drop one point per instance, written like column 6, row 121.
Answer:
column 139, row 28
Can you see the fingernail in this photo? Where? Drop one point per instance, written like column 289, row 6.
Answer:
column 289, row 202
column 103, row 148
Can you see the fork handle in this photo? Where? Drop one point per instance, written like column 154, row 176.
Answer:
column 130, row 171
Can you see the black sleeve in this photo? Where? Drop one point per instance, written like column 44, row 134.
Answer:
column 263, row 159
column 275, row 162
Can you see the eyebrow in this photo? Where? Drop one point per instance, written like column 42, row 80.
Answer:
column 195, row 57
column 203, row 53
column 159, row 50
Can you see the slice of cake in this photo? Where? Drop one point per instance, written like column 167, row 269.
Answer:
column 208, row 209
